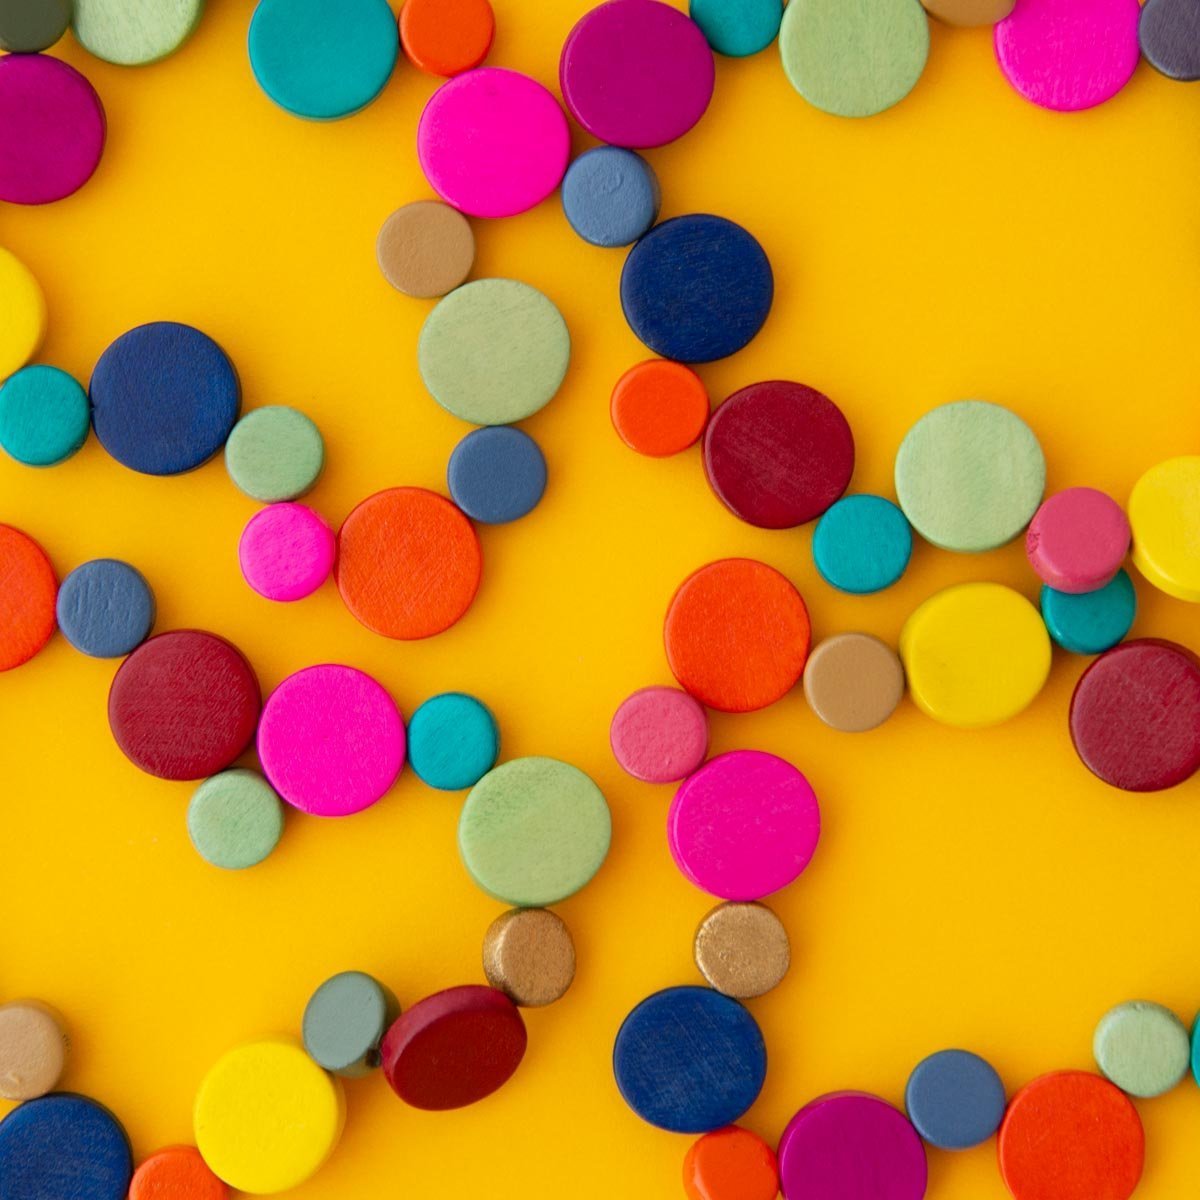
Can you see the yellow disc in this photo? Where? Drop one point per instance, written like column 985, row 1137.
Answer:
column 975, row 654
column 1164, row 512
column 22, row 315
column 267, row 1117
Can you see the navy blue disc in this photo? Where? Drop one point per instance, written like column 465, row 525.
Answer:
column 105, row 608
column 697, row 288
column 164, row 398
column 63, row 1147
column 955, row 1099
column 689, row 1060
column 496, row 474
column 610, row 196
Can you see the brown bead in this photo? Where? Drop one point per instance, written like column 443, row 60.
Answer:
column 969, row 12
column 742, row 949
column 33, row 1050
column 528, row 954
column 425, row 249
column 853, row 682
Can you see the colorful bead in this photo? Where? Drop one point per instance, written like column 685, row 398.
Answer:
column 22, row 314
column 274, row 454
column 1169, row 34
column 235, row 819
column 955, row 1099
column 969, row 12
column 528, row 954
column 26, row 599
column 496, row 475
column 862, row 544
column 1143, row 1048
column 659, row 407
column 105, row 608
column 853, row 682
column 344, row 1023
column 446, row 37
column 31, row 26
column 426, row 249
column 176, row 1173
column 286, row 551
column 738, row 28
column 610, row 196
column 742, row 950
column 1093, row 622
column 453, row 741
column 44, row 416
column 1078, row 540
column 1164, row 511
column 730, row 1164
column 133, row 33
column 659, row 735
column 33, row 1050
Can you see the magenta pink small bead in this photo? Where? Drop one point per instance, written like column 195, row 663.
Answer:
column 1078, row 540
column 286, row 551
column 659, row 735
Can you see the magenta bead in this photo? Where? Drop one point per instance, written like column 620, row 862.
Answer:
column 286, row 551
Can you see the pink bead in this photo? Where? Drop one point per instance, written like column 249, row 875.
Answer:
column 493, row 143
column 659, row 735
column 286, row 551
column 1069, row 54
column 331, row 740
column 1078, row 540
column 744, row 825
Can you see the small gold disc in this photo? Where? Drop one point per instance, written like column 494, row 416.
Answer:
column 742, row 949
column 529, row 955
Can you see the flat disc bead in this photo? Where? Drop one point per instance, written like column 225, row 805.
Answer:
column 529, row 955
column 1143, row 1048
column 31, row 26
column 453, row 741
column 176, row 1173
column 44, row 416
column 105, row 608
column 22, row 314
column 132, row 33
column 425, row 249
column 862, row 544
column 28, row 588
column 969, row 12
column 235, row 819
column 274, row 453
column 610, row 196
column 1093, row 622
column 344, row 1023
column 1164, row 511
column 955, row 1099
column 1169, row 32
column 738, row 28
column 496, row 475
column 33, row 1050
column 659, row 735
column 659, row 407
column 1078, row 540
column 286, row 551
column 742, row 950
column 853, row 682
column 446, row 37
column 730, row 1164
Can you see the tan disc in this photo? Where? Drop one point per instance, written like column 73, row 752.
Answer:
column 742, row 949
column 425, row 249
column 33, row 1050
column 853, row 682
column 529, row 955
column 969, row 12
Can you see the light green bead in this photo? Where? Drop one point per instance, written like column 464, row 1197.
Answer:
column 132, row 33
column 235, row 819
column 1142, row 1047
column 274, row 454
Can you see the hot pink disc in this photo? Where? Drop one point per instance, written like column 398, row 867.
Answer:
column 744, row 825
column 493, row 143
column 1069, row 54
column 1078, row 540
column 51, row 129
column 331, row 740
column 286, row 551
column 659, row 735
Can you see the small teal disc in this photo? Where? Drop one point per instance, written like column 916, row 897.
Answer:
column 1094, row 621
column 44, row 416
column 738, row 28
column 453, row 741
column 323, row 59
column 862, row 544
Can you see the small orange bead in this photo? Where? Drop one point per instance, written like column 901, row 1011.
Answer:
column 447, row 37
column 176, row 1173
column 730, row 1164
column 659, row 407
column 28, row 590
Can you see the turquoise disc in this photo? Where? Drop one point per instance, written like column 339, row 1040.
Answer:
column 453, row 741
column 862, row 544
column 738, row 28
column 1094, row 621
column 44, row 416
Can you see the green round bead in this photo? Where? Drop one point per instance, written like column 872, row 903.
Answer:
column 274, row 454
column 235, row 819
column 44, row 416
column 1142, row 1047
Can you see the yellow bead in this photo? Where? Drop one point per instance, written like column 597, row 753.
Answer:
column 267, row 1117
column 22, row 315
column 1164, row 512
column 976, row 654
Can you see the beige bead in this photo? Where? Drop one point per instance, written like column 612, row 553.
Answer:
column 742, row 949
column 529, row 955
column 970, row 12
column 33, row 1050
column 853, row 682
column 425, row 249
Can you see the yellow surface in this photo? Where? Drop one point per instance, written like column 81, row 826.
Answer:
column 22, row 314
column 1164, row 511
column 972, row 888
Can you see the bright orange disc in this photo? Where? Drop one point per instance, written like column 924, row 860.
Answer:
column 176, row 1173
column 28, row 589
column 408, row 563
column 446, row 37
column 659, row 407
column 1071, row 1136
column 737, row 635
column 730, row 1164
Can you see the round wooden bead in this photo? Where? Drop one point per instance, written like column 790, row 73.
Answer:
column 742, row 950
column 744, row 825
column 496, row 475
column 164, row 398
column 1169, row 33
column 738, row 28
column 1093, row 622
column 1069, row 55
column 1164, row 511
column 131, row 33
column 344, row 1023
column 323, row 59
column 44, row 416
column 853, row 1146
column 689, row 1060
column 235, row 819
column 493, row 142
column 454, row 1048
column 1071, row 1136
column 969, row 12
column 331, row 740
column 408, row 563
column 659, row 407
column 737, row 635
column 105, row 608
column 610, row 196
column 176, row 1173
column 696, row 288
column 425, row 249
column 730, row 1164
column 453, row 741
column 26, row 599
column 267, row 1117
column 955, row 1099
column 1135, row 716
column 853, row 682
column 63, row 1145
column 854, row 60
column 636, row 73
column 659, row 735
column 1143, row 1048
column 1078, row 540
column 33, row 1050
column 528, row 954
column 494, row 351
column 447, row 37
column 31, row 26
column 22, row 314
column 970, row 475
column 862, row 544
column 778, row 454
column 286, row 551
column 274, row 453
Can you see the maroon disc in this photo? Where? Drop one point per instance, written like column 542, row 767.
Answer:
column 1135, row 715
column 778, row 454
column 184, row 705
column 454, row 1047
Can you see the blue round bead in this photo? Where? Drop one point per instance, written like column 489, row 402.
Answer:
column 738, row 28
column 610, row 196
column 453, row 741
column 44, row 416
column 862, row 544
column 497, row 474
column 1094, row 621
column 105, row 608
column 955, row 1099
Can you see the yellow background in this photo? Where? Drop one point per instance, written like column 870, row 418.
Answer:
column 976, row 889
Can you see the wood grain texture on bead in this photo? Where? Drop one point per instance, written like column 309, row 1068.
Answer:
column 28, row 589
column 529, row 955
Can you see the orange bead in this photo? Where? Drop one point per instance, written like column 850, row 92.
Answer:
column 659, row 407
column 176, row 1173
column 28, row 589
column 730, row 1164
column 446, row 37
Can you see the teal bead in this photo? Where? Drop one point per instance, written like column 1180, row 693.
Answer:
column 862, row 544
column 738, row 28
column 1094, row 621
column 453, row 741
column 44, row 416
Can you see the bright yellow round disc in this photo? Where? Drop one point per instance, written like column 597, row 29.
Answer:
column 1164, row 512
column 976, row 654
column 267, row 1117
column 22, row 314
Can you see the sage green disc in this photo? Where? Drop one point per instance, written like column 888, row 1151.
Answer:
column 494, row 351
column 970, row 475
column 534, row 831
column 235, row 819
column 274, row 453
column 345, row 1021
column 854, row 58
column 1142, row 1047
column 132, row 33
